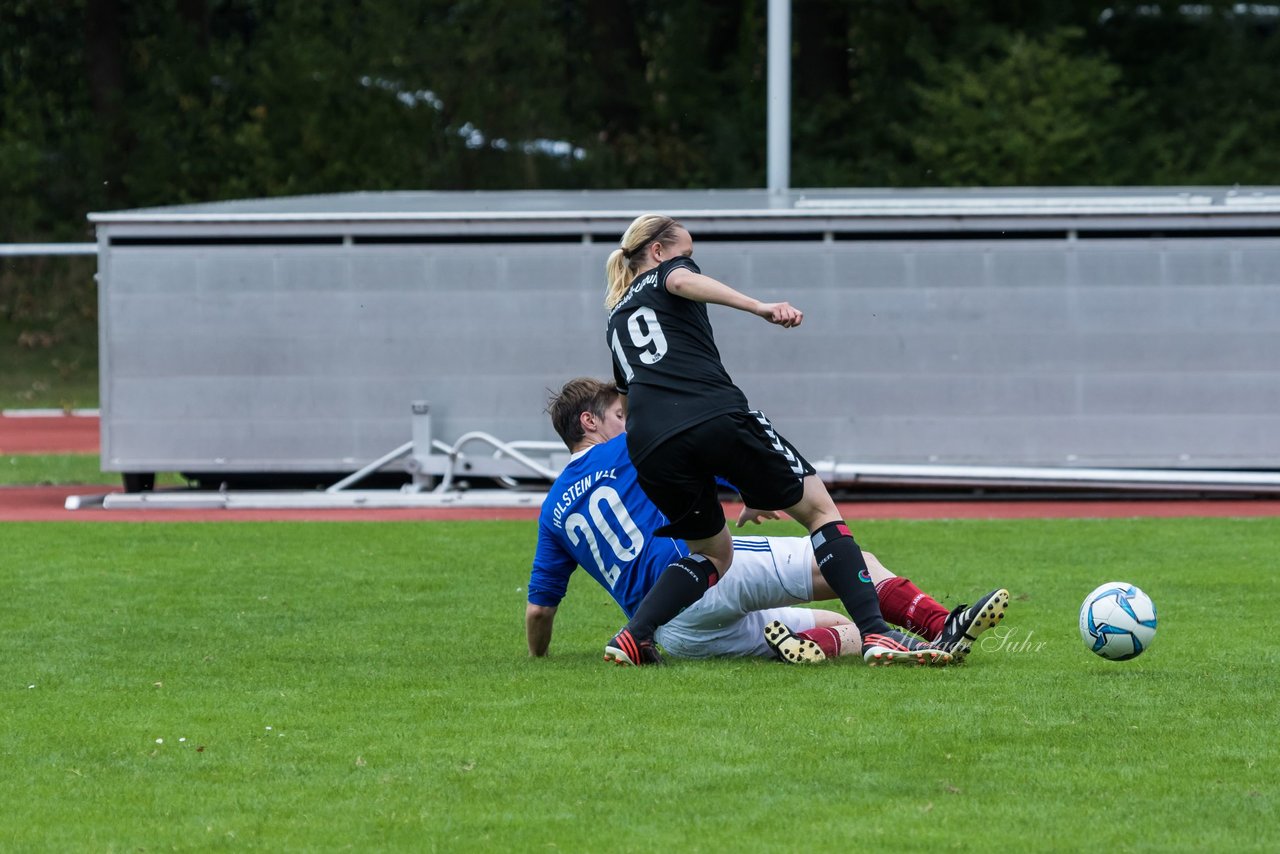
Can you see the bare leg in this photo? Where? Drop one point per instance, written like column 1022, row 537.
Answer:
column 717, row 549
column 815, row 507
column 832, row 636
column 827, row 619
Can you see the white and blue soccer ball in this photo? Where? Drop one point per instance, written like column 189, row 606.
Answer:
column 1118, row 621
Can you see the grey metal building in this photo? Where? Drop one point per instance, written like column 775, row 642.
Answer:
column 1062, row 328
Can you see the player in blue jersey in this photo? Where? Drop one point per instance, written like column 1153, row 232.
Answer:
column 596, row 516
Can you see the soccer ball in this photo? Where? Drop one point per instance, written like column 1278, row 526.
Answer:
column 1118, row 621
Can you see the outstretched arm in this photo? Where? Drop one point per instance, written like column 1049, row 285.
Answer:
column 685, row 283
column 537, row 628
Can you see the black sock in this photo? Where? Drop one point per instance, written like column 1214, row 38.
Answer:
column 680, row 585
column 841, row 564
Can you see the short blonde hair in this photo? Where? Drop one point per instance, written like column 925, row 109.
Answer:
column 643, row 231
column 577, row 396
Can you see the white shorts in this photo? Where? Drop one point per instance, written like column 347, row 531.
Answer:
column 768, row 575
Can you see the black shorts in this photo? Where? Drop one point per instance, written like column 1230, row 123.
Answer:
column 679, row 475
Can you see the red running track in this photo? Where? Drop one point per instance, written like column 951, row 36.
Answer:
column 58, row 434
column 79, row 434
column 47, row 503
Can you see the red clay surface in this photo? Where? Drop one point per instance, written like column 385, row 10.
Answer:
column 59, row 434
column 47, row 503
column 79, row 434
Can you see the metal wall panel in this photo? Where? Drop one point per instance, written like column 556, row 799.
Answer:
column 1154, row 351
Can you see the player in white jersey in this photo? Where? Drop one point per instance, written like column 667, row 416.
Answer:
column 597, row 517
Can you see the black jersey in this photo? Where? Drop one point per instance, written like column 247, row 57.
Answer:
column 665, row 360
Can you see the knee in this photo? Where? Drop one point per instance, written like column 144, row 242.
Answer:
column 718, row 550
column 702, row 569
column 721, row 561
column 723, row 556
column 816, row 508
column 829, row 619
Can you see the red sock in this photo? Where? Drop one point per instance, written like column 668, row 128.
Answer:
column 906, row 605
column 826, row 638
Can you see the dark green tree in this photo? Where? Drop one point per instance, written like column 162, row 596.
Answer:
column 110, row 104
column 1033, row 113
column 1209, row 76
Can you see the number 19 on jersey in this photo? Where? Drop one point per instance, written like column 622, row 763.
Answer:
column 646, row 335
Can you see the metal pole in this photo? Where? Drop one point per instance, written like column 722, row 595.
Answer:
column 421, row 423
column 779, row 96
column 423, row 444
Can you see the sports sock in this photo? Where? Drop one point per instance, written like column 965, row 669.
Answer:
column 835, row 641
column 904, row 604
column 680, row 585
column 841, row 564
column 826, row 639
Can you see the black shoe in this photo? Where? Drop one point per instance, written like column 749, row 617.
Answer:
column 791, row 648
column 965, row 623
column 624, row 649
column 892, row 647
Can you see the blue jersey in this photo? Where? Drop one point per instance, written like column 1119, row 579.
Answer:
column 596, row 516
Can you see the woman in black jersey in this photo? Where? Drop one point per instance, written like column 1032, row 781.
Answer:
column 687, row 424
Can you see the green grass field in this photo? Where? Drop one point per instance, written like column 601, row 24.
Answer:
column 326, row 686
column 41, row 370
column 48, row 332
column 60, row 469
column 52, row 469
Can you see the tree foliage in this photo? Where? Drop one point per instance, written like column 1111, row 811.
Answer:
column 110, row 104
column 1031, row 114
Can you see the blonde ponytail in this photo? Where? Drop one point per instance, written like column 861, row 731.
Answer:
column 619, row 270
column 617, row 273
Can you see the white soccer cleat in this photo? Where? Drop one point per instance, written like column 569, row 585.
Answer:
column 883, row 649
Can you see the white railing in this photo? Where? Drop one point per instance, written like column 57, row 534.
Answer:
column 16, row 250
